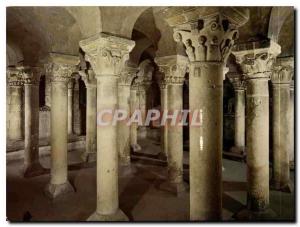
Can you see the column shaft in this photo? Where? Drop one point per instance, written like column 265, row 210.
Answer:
column 291, row 129
column 123, row 128
column 206, row 96
column 281, row 108
column 133, row 126
column 258, row 144
column 239, row 122
column 70, row 108
column 164, row 108
column 15, row 113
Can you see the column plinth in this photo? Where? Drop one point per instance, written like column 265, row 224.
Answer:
column 281, row 79
column 32, row 166
column 90, row 153
column 256, row 61
column 107, row 55
column 61, row 68
column 15, row 83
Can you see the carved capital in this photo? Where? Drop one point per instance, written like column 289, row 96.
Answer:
column 61, row 67
column 30, row 75
column 283, row 71
column 89, row 77
column 14, row 77
column 127, row 75
column 237, row 81
column 208, row 33
column 256, row 58
column 145, row 72
column 106, row 53
column 173, row 68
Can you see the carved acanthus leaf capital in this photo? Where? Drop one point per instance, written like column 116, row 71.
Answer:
column 14, row 77
column 173, row 68
column 30, row 75
column 106, row 53
column 256, row 59
column 127, row 75
column 237, row 81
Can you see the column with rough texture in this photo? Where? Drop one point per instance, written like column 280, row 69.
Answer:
column 89, row 155
column 124, row 84
column 256, row 60
column 15, row 82
column 281, row 80
column 61, row 68
column 107, row 55
column 239, row 112
column 32, row 166
column 70, row 107
column 174, row 68
column 134, row 107
column 208, row 35
column 77, row 116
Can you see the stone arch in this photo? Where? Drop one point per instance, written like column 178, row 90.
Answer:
column 14, row 54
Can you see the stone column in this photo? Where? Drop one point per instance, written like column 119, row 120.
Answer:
column 32, row 166
column 133, row 107
column 174, row 69
column 292, row 127
column 107, row 55
column 239, row 118
column 124, row 84
column 89, row 155
column 15, row 82
column 70, row 107
column 47, row 90
column 281, row 80
column 62, row 66
column 256, row 61
column 207, row 46
column 164, row 109
column 76, row 107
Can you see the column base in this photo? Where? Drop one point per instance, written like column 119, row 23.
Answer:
column 118, row 216
column 248, row 215
column 136, row 147
column 89, row 156
column 34, row 170
column 162, row 156
column 281, row 187
column 53, row 191
column 174, row 188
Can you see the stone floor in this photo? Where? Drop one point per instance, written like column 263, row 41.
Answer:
column 140, row 196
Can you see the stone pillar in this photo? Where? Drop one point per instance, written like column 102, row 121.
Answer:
column 134, row 105
column 292, row 127
column 256, row 61
column 239, row 112
column 207, row 45
column 281, row 80
column 70, row 107
column 107, row 55
column 32, row 166
column 15, row 82
column 76, row 107
column 62, row 66
column 174, row 69
column 89, row 155
column 164, row 109
column 124, row 84
column 47, row 90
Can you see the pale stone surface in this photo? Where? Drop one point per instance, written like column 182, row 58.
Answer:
column 257, row 72
column 134, row 126
column 60, row 68
column 174, row 69
column 15, row 124
column 90, row 152
column 32, row 166
column 292, row 127
column 76, row 107
column 70, row 107
column 207, row 47
column 124, row 83
column 107, row 55
column 239, row 112
column 281, row 79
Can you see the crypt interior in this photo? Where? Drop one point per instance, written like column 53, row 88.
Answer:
column 233, row 64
